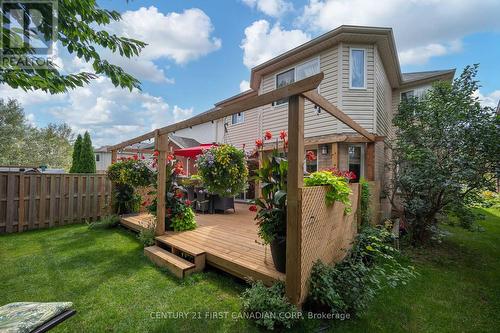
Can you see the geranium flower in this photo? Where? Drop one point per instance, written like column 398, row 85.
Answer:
column 156, row 153
column 252, row 208
column 142, row 157
column 283, row 134
column 259, row 143
column 179, row 195
column 268, row 135
column 170, row 157
column 310, row 155
column 188, row 202
column 135, row 157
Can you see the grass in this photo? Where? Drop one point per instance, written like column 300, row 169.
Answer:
column 116, row 289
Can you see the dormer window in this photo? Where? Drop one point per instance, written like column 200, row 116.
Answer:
column 299, row 72
column 357, row 69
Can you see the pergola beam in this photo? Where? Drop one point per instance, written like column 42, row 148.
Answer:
column 324, row 104
column 307, row 84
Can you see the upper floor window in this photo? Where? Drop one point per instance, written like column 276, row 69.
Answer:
column 357, row 70
column 97, row 157
column 284, row 79
column 407, row 95
column 237, row 118
column 297, row 73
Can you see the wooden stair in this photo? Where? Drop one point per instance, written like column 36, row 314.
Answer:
column 169, row 253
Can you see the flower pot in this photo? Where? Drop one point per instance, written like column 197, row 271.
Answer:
column 278, row 251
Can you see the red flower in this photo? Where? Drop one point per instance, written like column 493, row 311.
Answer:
column 179, row 168
column 188, row 202
column 286, row 144
column 156, row 153
column 170, row 157
column 179, row 195
column 135, row 157
column 142, row 157
column 268, row 135
column 144, row 203
column 310, row 155
column 259, row 143
column 283, row 134
column 169, row 211
column 252, row 208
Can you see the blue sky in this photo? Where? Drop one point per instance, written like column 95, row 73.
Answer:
column 200, row 52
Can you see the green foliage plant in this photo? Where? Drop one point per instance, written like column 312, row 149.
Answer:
column 223, row 170
column 338, row 187
column 87, row 157
column 364, row 204
column 77, row 150
column 106, row 222
column 269, row 307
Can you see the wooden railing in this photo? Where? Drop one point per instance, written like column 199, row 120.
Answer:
column 35, row 201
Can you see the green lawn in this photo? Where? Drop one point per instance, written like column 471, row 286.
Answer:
column 116, row 289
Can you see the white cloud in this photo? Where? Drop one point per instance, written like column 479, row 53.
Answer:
column 428, row 26
column 274, row 8
column 420, row 55
column 244, row 85
column 110, row 114
column 490, row 99
column 263, row 42
column 182, row 36
column 31, row 119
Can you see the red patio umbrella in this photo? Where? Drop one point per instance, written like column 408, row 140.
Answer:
column 192, row 152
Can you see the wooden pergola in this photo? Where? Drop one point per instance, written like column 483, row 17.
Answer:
column 296, row 93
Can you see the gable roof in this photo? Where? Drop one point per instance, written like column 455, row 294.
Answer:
column 183, row 142
column 422, row 77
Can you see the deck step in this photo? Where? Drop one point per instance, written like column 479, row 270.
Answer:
column 137, row 221
column 178, row 247
column 161, row 257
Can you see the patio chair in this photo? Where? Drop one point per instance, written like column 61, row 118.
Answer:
column 202, row 201
column 34, row 317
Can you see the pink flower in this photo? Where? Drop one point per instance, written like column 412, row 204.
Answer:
column 252, row 208
column 268, row 135
column 142, row 157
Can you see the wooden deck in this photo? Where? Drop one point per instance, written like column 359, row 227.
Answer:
column 229, row 242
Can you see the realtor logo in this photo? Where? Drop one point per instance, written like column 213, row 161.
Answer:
column 28, row 33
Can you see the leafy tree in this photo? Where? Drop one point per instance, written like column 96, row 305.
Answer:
column 79, row 31
column 87, row 157
column 75, row 160
column 445, row 153
column 23, row 144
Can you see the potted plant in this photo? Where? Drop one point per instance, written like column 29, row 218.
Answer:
column 271, row 207
column 179, row 215
column 224, row 172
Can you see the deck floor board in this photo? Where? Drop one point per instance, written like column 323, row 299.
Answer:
column 229, row 240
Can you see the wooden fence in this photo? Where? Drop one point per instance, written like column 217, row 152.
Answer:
column 35, row 201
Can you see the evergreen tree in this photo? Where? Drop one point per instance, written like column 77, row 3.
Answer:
column 77, row 149
column 87, row 157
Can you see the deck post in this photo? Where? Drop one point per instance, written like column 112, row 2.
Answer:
column 294, row 208
column 161, row 144
column 370, row 161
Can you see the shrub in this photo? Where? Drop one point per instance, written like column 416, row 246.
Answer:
column 184, row 219
column 338, row 187
column 147, row 236
column 269, row 306
column 350, row 285
column 106, row 222
column 223, row 170
column 364, row 205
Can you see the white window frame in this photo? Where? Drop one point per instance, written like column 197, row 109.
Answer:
column 317, row 58
column 240, row 118
column 364, row 65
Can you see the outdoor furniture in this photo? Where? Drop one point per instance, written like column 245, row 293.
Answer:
column 222, row 204
column 202, row 201
column 33, row 317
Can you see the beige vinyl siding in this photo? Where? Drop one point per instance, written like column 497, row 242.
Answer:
column 358, row 103
column 243, row 133
column 275, row 118
column 383, row 120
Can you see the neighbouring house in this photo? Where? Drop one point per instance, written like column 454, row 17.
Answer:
column 103, row 157
column 362, row 77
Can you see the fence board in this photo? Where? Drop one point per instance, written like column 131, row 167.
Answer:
column 30, row 201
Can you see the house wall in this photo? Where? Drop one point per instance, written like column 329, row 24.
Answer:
column 203, row 133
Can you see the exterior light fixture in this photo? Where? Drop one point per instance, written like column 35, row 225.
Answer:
column 324, row 150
